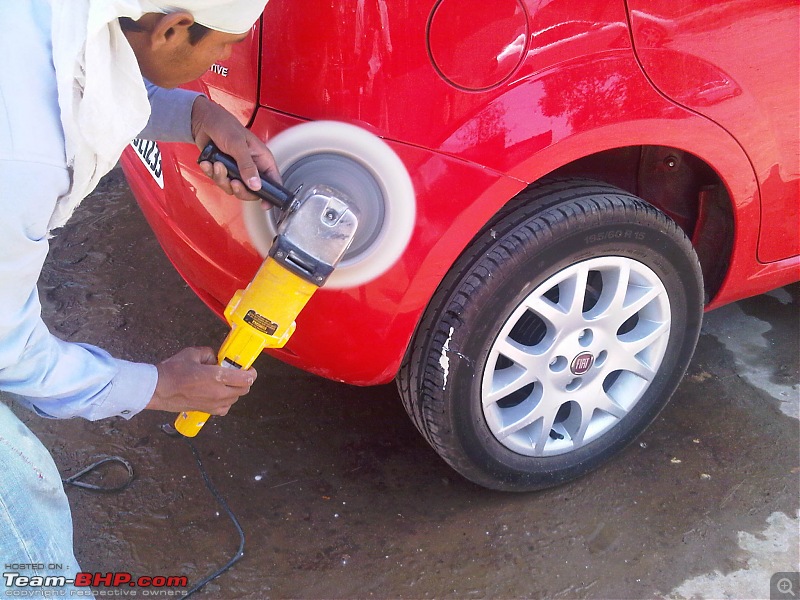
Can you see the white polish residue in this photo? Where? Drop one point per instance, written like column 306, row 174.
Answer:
column 444, row 360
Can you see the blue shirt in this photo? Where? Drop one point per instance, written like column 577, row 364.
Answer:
column 55, row 378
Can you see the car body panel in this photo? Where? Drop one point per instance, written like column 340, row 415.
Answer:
column 737, row 63
column 575, row 89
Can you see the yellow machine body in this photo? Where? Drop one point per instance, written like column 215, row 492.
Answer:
column 261, row 316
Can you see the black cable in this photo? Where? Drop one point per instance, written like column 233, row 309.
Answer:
column 221, row 501
column 169, row 430
column 74, row 479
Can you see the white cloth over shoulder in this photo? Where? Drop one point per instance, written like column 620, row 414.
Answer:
column 101, row 93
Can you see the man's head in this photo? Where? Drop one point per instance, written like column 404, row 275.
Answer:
column 180, row 43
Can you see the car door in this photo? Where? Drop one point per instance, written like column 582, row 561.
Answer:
column 736, row 62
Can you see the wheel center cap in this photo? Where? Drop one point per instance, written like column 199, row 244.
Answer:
column 581, row 363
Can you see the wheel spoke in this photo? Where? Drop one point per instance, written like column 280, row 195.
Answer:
column 642, row 341
column 552, row 313
column 574, row 289
column 586, row 418
column 522, row 422
column 520, row 355
column 544, row 433
column 638, row 303
column 505, row 384
column 621, row 287
column 634, row 365
column 615, row 289
column 569, row 309
column 609, row 405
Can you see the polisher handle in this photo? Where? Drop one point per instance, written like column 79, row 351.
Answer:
column 190, row 422
column 275, row 194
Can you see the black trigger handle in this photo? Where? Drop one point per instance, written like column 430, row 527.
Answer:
column 275, row 194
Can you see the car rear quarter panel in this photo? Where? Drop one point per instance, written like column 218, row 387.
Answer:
column 737, row 63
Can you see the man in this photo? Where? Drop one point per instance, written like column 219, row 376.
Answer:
column 72, row 96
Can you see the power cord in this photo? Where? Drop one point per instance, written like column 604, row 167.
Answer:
column 221, row 501
column 75, row 480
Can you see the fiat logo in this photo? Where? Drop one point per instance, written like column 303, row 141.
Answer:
column 582, row 363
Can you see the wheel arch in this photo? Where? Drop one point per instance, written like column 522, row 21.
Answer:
column 680, row 184
column 703, row 181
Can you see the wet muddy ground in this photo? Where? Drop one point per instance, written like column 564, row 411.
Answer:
column 340, row 497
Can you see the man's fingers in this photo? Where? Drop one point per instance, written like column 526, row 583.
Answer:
column 233, row 187
column 192, row 380
column 247, row 169
column 206, row 356
column 264, row 160
column 220, row 176
column 207, row 168
column 236, row 378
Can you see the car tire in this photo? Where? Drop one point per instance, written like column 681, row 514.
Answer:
column 556, row 338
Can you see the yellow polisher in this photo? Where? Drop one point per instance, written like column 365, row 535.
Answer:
column 348, row 220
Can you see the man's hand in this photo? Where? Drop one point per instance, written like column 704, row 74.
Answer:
column 212, row 122
column 191, row 380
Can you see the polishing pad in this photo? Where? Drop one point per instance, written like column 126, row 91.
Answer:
column 372, row 180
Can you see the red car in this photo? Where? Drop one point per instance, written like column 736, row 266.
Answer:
column 589, row 178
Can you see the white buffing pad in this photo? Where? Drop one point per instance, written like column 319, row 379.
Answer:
column 372, row 179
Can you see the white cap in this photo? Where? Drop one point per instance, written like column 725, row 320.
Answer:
column 228, row 16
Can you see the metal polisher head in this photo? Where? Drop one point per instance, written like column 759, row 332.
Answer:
column 372, row 181
column 355, row 185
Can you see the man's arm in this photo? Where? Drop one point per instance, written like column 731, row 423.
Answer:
column 60, row 379
column 170, row 114
column 56, row 378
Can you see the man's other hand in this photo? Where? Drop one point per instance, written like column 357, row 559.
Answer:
column 191, row 380
column 212, row 122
